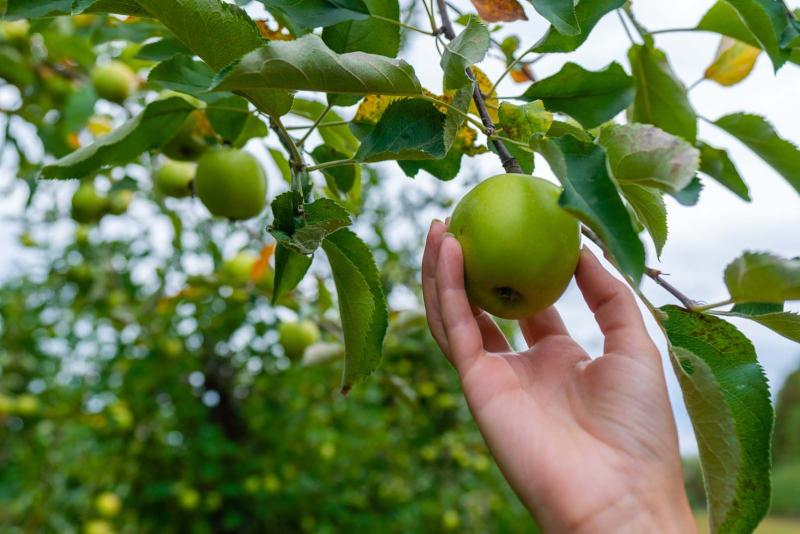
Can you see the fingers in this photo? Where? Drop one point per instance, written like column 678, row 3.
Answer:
column 614, row 308
column 460, row 326
column 542, row 325
column 493, row 338
column 430, row 258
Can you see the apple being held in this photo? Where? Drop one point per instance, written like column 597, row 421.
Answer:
column 520, row 247
column 231, row 183
column 114, row 81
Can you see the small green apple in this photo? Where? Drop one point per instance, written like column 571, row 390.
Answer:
column 88, row 206
column 26, row 404
column 15, row 30
column 97, row 526
column 174, row 178
column 231, row 183
column 114, row 81
column 520, row 248
column 118, row 201
column 189, row 498
column 191, row 140
column 239, row 268
column 296, row 336
column 108, row 504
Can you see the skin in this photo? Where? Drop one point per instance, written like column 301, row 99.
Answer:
column 589, row 445
column 520, row 248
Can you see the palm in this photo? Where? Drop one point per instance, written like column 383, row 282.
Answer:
column 557, row 421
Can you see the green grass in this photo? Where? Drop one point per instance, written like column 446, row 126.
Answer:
column 770, row 525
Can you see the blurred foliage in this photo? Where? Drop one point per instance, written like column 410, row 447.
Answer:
column 786, row 440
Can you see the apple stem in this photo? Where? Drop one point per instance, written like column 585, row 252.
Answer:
column 510, row 163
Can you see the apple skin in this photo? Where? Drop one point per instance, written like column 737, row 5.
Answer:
column 119, row 201
column 88, row 206
column 231, row 183
column 174, row 178
column 108, row 504
column 520, row 248
column 190, row 141
column 239, row 268
column 296, row 336
column 114, row 81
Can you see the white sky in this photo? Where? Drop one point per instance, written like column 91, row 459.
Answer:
column 702, row 239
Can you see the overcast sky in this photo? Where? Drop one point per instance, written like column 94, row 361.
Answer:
column 702, row 239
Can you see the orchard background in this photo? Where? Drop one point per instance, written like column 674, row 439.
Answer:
column 142, row 382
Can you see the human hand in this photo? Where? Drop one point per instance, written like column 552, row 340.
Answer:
column 588, row 445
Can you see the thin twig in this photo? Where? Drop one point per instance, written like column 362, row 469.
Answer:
column 510, row 163
column 322, row 115
column 651, row 273
column 625, row 26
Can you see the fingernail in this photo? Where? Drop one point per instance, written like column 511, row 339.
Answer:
column 447, row 221
column 448, row 234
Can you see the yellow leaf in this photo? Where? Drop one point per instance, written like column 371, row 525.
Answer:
column 733, row 63
column 499, row 10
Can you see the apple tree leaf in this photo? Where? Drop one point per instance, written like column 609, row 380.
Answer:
column 646, row 155
column 234, row 34
column 648, row 204
column 559, row 13
column 373, row 35
column 770, row 315
column 716, row 163
column 587, row 14
column 362, row 304
column 762, row 277
column 310, row 14
column 767, row 20
column 408, row 129
column 468, row 48
column 303, row 231
column 591, row 98
column 290, row 269
column 661, row 98
column 591, row 195
column 734, row 62
column 308, row 64
column 499, row 10
column 760, row 137
column 728, row 401
column 153, row 127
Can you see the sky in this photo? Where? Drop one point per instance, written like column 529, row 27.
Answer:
column 702, row 239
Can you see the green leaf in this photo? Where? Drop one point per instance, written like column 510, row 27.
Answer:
column 722, row 18
column 716, row 163
column 559, row 13
column 184, row 74
column 772, row 316
column 661, row 98
column 310, row 14
column 591, row 98
column 443, row 169
column 761, row 277
column 338, row 137
column 30, row 9
column 767, row 20
column 759, row 135
column 520, row 123
column 162, row 49
column 648, row 204
column 227, row 114
column 290, row 269
column 308, row 64
column 590, row 194
column 373, row 35
column 282, row 163
column 648, row 156
column 156, row 125
column 193, row 22
column 467, row 49
column 727, row 397
column 339, row 179
column 689, row 195
column 304, row 231
column 408, row 129
column 362, row 304
column 588, row 13
column 756, row 308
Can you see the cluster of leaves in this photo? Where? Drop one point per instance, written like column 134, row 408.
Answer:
column 244, row 75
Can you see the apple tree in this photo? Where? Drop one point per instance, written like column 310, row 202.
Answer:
column 184, row 91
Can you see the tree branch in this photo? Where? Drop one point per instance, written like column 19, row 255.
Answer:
column 653, row 274
column 510, row 163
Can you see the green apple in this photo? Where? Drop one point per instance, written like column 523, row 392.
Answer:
column 108, row 504
column 296, row 336
column 16, row 30
column 188, row 498
column 26, row 404
column 114, row 81
column 97, row 526
column 174, row 178
column 520, row 247
column 191, row 140
column 118, row 201
column 239, row 268
column 88, row 205
column 231, row 183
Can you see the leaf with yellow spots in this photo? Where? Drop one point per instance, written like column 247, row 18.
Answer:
column 465, row 142
column 485, row 85
column 734, row 61
column 499, row 10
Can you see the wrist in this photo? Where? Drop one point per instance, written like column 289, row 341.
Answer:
column 639, row 511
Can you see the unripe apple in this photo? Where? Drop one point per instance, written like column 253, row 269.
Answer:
column 189, row 498
column 239, row 268
column 174, row 178
column 118, row 201
column 231, row 183
column 296, row 336
column 88, row 205
column 15, row 30
column 98, row 526
column 114, row 81
column 26, row 404
column 108, row 504
column 520, row 247
column 191, row 140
